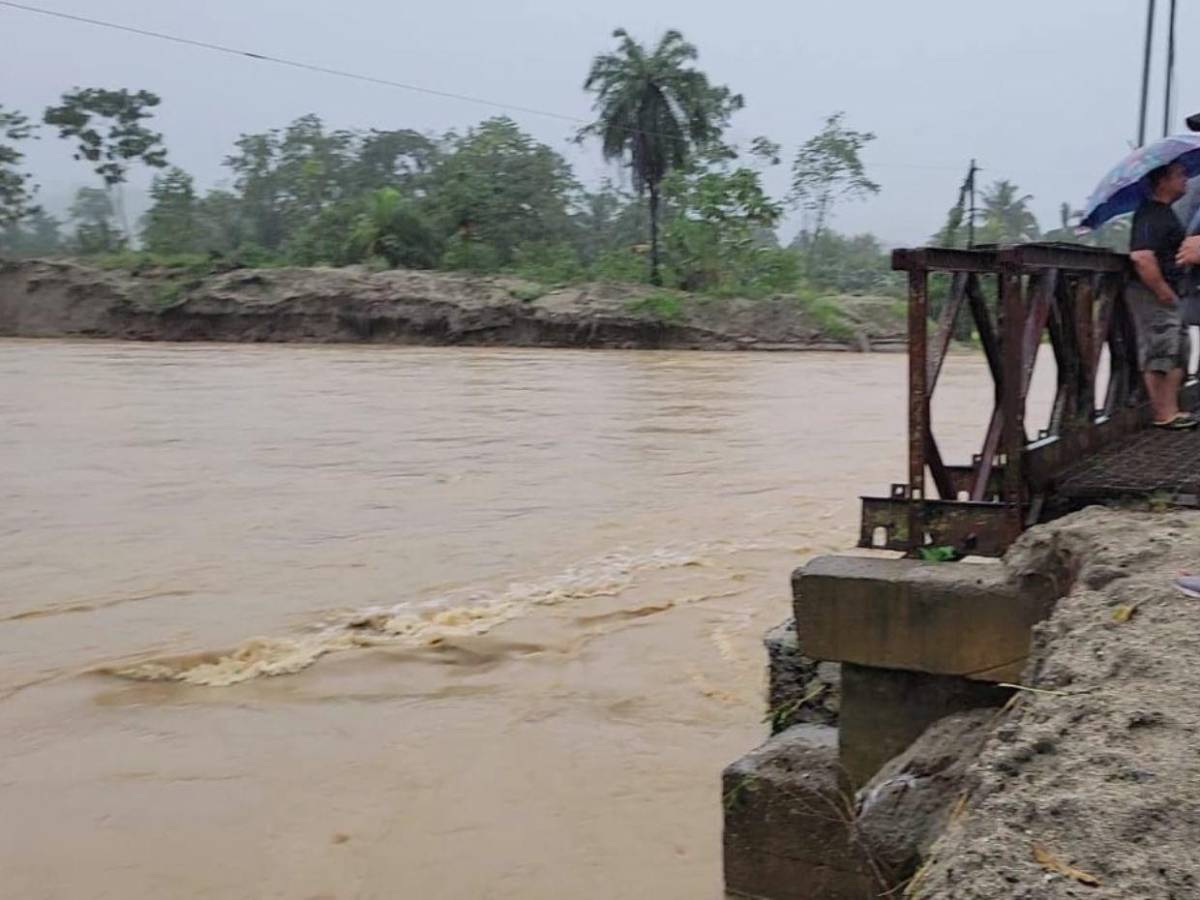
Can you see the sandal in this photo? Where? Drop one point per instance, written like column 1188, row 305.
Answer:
column 1182, row 422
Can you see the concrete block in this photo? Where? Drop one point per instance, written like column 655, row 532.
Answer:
column 800, row 689
column 944, row 619
column 885, row 710
column 786, row 836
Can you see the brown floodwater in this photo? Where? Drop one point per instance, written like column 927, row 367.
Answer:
column 317, row 622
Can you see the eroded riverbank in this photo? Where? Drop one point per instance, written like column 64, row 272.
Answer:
column 352, row 305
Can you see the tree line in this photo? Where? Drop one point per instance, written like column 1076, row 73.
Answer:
column 695, row 214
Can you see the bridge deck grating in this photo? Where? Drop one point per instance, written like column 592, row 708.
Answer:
column 1146, row 463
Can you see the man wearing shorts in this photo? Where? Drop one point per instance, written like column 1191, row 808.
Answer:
column 1163, row 348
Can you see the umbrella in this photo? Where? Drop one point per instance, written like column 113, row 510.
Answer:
column 1124, row 188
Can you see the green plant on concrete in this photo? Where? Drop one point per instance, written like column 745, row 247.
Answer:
column 940, row 553
column 736, row 795
column 780, row 717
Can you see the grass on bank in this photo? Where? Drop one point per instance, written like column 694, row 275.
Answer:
column 837, row 317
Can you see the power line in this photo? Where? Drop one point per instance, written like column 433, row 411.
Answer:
column 356, row 76
column 295, row 64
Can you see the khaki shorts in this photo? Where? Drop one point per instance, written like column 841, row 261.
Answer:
column 1163, row 343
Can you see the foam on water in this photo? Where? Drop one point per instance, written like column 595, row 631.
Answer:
column 466, row 612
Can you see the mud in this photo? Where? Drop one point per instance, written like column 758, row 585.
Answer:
column 1089, row 785
column 353, row 305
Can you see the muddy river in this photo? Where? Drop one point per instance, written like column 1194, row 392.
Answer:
column 346, row 622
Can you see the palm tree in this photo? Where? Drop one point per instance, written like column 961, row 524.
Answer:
column 390, row 228
column 1068, row 219
column 653, row 111
column 1007, row 218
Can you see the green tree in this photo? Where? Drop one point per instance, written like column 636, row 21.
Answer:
column 1007, row 218
column 253, row 164
column 653, row 112
column 95, row 231
column 171, row 225
column 108, row 130
column 719, row 235
column 849, row 264
column 315, row 169
column 497, row 186
column 220, row 225
column 609, row 220
column 827, row 168
column 35, row 235
column 389, row 227
column 396, row 159
column 295, row 183
column 16, row 192
column 1112, row 235
column 951, row 234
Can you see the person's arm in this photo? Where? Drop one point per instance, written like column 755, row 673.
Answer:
column 1189, row 252
column 1151, row 276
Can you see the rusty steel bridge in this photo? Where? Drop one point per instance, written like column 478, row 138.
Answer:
column 1098, row 445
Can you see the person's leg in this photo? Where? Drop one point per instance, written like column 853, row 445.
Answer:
column 1172, row 382
column 1165, row 346
column 1163, row 398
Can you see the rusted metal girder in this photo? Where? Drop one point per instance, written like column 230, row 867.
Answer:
column 1076, row 295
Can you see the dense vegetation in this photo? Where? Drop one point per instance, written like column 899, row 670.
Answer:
column 491, row 198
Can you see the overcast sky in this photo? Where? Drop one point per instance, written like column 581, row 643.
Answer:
column 1043, row 92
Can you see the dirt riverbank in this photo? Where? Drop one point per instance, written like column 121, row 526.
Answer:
column 68, row 299
column 1090, row 783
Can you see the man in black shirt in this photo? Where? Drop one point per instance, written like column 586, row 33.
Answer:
column 1164, row 350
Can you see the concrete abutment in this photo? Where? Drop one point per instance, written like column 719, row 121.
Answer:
column 879, row 651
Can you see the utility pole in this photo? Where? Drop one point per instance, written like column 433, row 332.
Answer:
column 1170, row 69
column 971, row 209
column 1146, row 73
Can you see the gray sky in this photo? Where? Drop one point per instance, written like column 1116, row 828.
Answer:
column 1043, row 92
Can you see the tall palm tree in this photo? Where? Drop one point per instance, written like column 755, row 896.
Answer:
column 653, row 111
column 1007, row 218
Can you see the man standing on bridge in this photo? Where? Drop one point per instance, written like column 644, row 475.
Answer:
column 1164, row 349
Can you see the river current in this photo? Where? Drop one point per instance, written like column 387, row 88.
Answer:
column 316, row 622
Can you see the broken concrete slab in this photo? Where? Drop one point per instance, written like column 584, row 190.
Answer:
column 968, row 620
column 800, row 689
column 885, row 710
column 788, row 825
column 903, row 810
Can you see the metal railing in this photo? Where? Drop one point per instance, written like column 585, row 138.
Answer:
column 1014, row 296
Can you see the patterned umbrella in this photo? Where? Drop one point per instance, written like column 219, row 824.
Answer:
column 1125, row 187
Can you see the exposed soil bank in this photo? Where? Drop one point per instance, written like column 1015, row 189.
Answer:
column 1095, row 776
column 65, row 299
